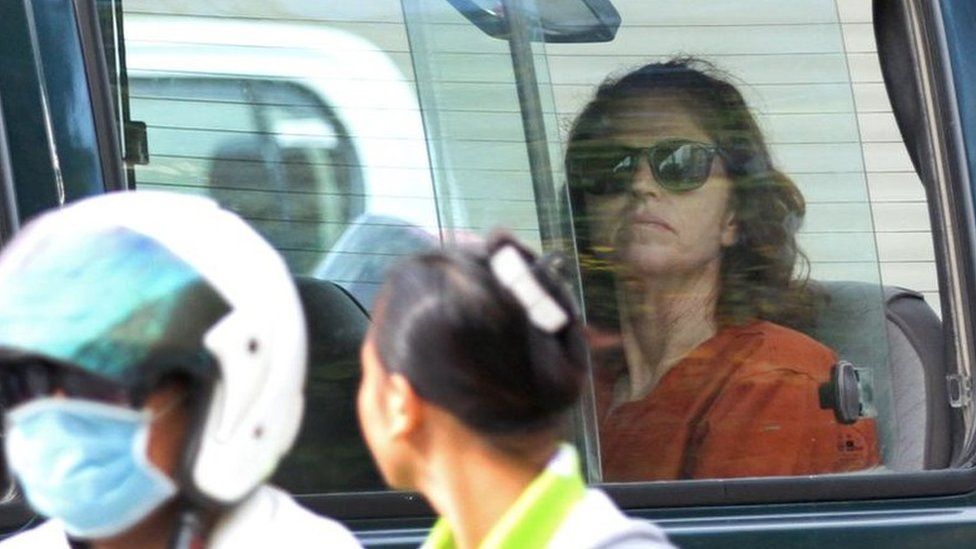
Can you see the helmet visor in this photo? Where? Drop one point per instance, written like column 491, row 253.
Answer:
column 114, row 303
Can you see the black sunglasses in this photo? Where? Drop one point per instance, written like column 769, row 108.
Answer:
column 26, row 379
column 678, row 165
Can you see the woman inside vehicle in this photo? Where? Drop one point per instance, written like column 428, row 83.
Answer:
column 687, row 236
column 471, row 364
column 151, row 377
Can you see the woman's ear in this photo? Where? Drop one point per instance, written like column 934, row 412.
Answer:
column 730, row 229
column 405, row 408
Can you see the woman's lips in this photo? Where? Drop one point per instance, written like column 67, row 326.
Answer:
column 643, row 218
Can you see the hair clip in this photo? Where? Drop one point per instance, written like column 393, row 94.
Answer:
column 513, row 272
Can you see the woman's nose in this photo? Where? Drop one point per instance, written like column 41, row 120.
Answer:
column 643, row 183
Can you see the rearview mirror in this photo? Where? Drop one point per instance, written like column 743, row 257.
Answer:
column 560, row 20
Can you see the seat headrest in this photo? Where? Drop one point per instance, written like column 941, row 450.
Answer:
column 330, row 454
column 336, row 323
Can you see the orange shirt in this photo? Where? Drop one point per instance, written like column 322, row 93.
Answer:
column 744, row 403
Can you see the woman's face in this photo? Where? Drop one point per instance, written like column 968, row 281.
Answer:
column 652, row 230
column 168, row 431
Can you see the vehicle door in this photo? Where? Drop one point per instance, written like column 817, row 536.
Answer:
column 352, row 134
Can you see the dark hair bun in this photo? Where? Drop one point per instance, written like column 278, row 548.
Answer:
column 466, row 342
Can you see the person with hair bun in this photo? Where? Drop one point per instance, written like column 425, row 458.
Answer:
column 472, row 362
column 687, row 239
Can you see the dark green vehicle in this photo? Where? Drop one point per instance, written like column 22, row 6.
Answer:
column 353, row 133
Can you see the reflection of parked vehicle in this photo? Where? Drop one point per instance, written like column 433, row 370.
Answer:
column 228, row 115
column 412, row 122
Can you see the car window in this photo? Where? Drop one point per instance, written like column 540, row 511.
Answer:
column 351, row 135
column 810, row 78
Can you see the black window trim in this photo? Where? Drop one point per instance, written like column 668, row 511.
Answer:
column 927, row 113
column 956, row 239
column 102, row 103
column 9, row 217
column 650, row 496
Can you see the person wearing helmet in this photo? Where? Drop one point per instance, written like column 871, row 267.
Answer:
column 473, row 360
column 152, row 359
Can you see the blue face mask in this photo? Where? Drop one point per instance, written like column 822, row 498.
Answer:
column 85, row 464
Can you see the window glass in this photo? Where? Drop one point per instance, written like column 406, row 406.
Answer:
column 741, row 218
column 683, row 220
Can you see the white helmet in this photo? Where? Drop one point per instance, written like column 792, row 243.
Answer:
column 133, row 286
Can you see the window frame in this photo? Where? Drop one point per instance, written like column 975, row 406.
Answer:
column 29, row 183
column 9, row 219
column 102, row 102
column 957, row 235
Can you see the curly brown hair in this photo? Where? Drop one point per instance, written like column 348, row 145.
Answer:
column 759, row 277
